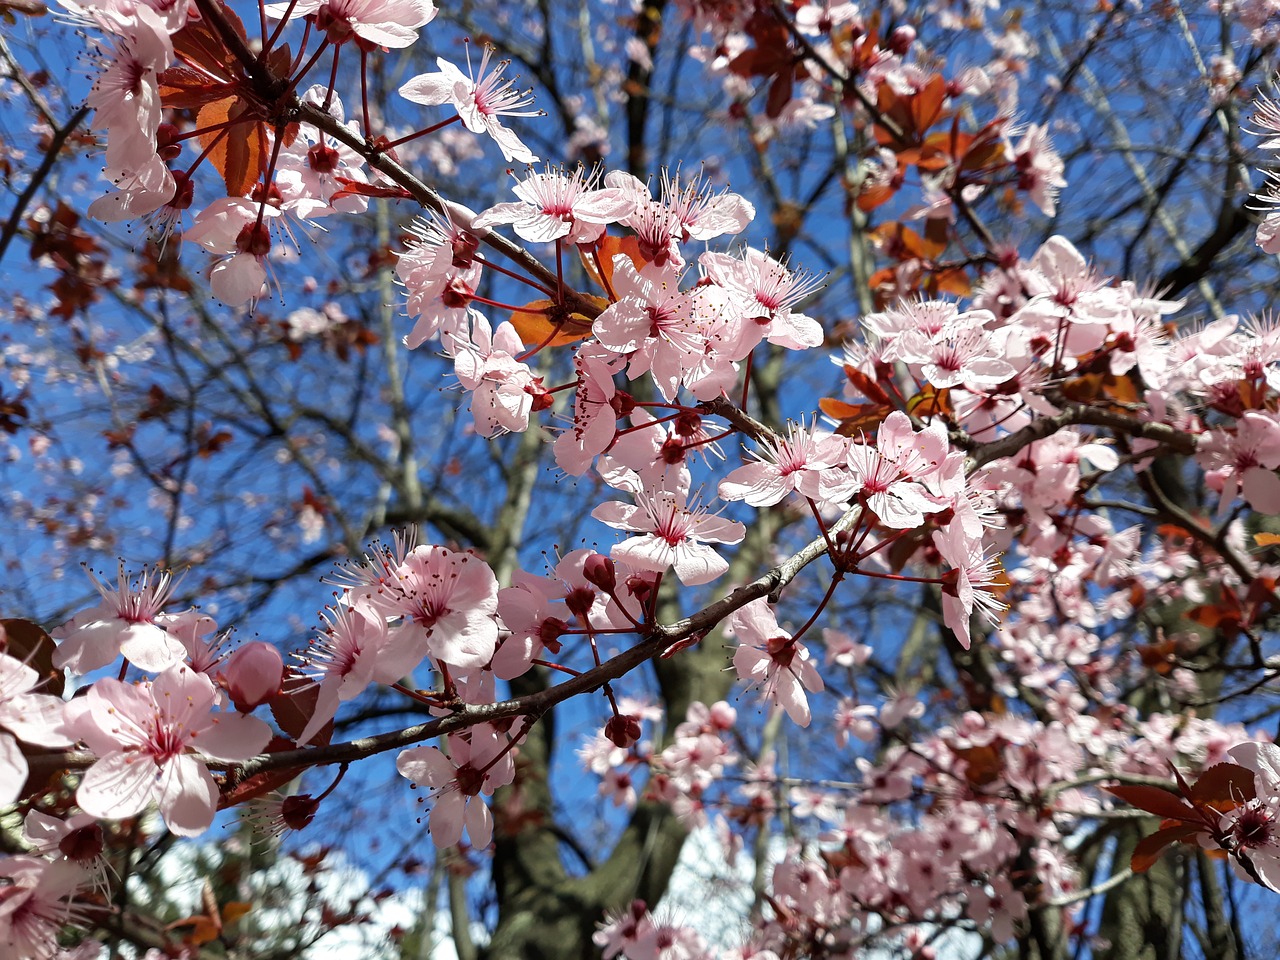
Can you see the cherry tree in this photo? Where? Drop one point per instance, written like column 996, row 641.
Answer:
column 844, row 433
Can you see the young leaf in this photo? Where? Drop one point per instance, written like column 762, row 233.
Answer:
column 1163, row 803
column 1148, row 849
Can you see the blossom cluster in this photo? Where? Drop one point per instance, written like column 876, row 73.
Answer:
column 972, row 433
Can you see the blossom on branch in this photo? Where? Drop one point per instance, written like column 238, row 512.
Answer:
column 481, row 101
column 151, row 740
column 673, row 533
column 767, row 657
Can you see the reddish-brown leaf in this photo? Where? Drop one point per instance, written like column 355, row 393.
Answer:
column 605, row 249
column 926, row 103
column 1148, row 849
column 26, row 641
column 535, row 324
column 200, row 43
column 983, row 765
column 1163, row 803
column 779, row 94
column 227, row 146
column 353, row 188
column 854, row 419
column 1224, row 786
column 772, row 55
column 1100, row 387
column 874, row 195
column 931, row 402
column 985, row 150
column 865, row 385
column 184, row 89
column 953, row 281
column 294, row 706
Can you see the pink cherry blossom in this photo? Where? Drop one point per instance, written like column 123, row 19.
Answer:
column 1040, row 168
column 1066, row 287
column 478, row 763
column 128, row 622
column 237, row 230
column 382, row 23
column 351, row 651
column 151, row 739
column 307, row 170
column 969, row 584
column 135, row 191
column 595, row 422
column 481, row 100
column 701, row 214
column 253, row 674
column 530, row 610
column 769, row 658
column 762, row 294
column 887, row 477
column 503, row 389
column 440, row 272
column 1244, row 463
column 36, row 905
column 959, row 353
column 652, row 454
column 654, row 321
column 556, row 206
column 35, row 718
column 672, row 534
column 1254, row 827
column 448, row 602
column 125, row 96
column 683, row 212
column 793, row 463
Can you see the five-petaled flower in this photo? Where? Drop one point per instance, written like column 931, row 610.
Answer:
column 151, row 740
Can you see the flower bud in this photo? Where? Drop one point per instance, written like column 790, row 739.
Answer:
column 901, row 39
column 640, row 587
column 600, row 571
column 253, row 675
column 622, row 730
column 723, row 715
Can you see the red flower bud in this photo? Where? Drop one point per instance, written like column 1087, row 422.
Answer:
column 253, row 675
column 622, row 730
column 901, row 39
column 600, row 571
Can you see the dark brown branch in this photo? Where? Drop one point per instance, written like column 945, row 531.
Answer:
column 38, row 178
column 769, row 584
column 1176, row 440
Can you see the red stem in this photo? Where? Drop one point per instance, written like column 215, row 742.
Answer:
column 297, row 77
column 555, row 666
column 275, row 34
column 604, row 277
column 822, row 605
column 488, row 263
